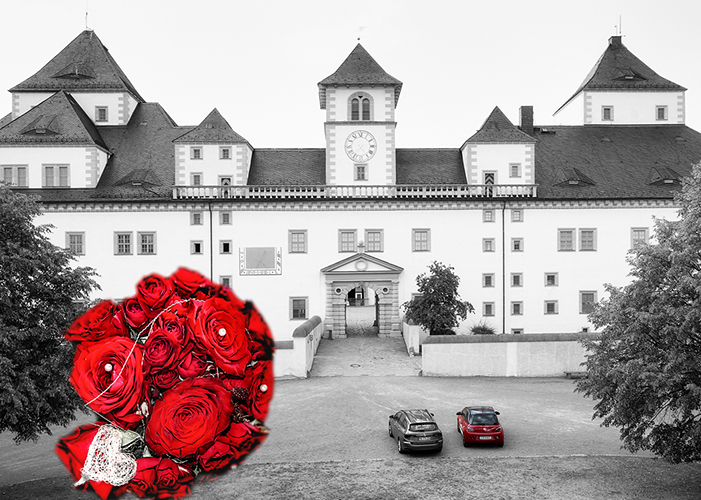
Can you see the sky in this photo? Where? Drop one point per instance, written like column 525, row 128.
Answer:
column 259, row 62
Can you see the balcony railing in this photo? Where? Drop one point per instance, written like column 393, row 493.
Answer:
column 398, row 191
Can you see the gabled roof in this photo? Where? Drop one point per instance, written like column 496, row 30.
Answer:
column 215, row 129
column 359, row 68
column 58, row 119
column 84, row 65
column 617, row 69
column 370, row 265
column 498, row 128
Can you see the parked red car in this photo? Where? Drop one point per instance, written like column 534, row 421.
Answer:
column 480, row 424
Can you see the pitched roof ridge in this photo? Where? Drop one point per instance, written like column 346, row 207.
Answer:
column 498, row 128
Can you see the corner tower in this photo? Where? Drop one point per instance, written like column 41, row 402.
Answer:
column 360, row 99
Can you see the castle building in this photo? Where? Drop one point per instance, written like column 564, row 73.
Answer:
column 534, row 219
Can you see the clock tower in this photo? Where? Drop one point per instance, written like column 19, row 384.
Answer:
column 360, row 99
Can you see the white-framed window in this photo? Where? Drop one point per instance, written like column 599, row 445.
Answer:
column 196, row 218
column 587, row 240
column 517, row 308
column 361, row 172
column 15, row 175
column 56, row 175
column 196, row 179
column 487, row 308
column 488, row 245
column 225, row 281
column 147, row 243
column 514, row 170
column 299, row 307
column 550, row 307
column 488, row 215
column 101, row 114
column 639, row 236
column 360, row 107
column 516, row 331
column 565, row 240
column 224, row 153
column 517, row 244
column 196, row 152
column 552, row 279
column 196, row 247
column 661, row 113
column 587, row 300
column 517, row 279
column 607, row 113
column 225, row 247
column 297, row 241
column 347, row 240
column 123, row 243
column 225, row 218
column 420, row 240
column 75, row 242
column 374, row 240
column 488, row 280
column 225, row 180
column 517, row 215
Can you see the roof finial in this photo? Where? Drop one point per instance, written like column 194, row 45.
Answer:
column 360, row 28
column 87, row 8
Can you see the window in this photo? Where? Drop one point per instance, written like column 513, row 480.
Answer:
column 224, row 153
column 517, row 216
column 122, row 244
column 361, row 172
column 225, row 246
column 586, row 302
column 347, row 240
column 661, row 113
column 196, row 247
column 565, row 240
column 516, row 308
column 225, row 281
column 147, row 243
column 516, row 279
column 297, row 241
column 638, row 236
column 487, row 308
column 195, row 153
column 517, row 244
column 515, row 170
column 587, row 240
column 516, row 331
column 487, row 244
column 56, row 176
column 196, row 179
column 75, row 242
column 225, row 218
column 551, row 279
column 551, row 307
column 100, row 113
column 7, row 175
column 360, row 107
column 487, row 215
column 607, row 113
column 374, row 240
column 196, row 218
column 421, row 240
column 15, row 175
column 298, row 307
column 487, row 280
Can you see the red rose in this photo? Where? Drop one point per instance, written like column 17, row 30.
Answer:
column 189, row 418
column 174, row 320
column 188, row 283
column 161, row 351
column 219, row 328
column 73, row 450
column 161, row 477
column 135, row 315
column 261, row 343
column 192, row 365
column 165, row 379
column 154, row 292
column 97, row 365
column 231, row 447
column 260, row 380
column 101, row 321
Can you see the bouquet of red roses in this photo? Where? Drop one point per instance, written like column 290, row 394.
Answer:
column 180, row 376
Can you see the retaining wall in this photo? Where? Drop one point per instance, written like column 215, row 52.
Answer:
column 295, row 357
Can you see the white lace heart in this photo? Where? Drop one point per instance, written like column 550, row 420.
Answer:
column 105, row 460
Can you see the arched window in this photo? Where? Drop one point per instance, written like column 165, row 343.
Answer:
column 360, row 107
column 355, row 114
column 366, row 108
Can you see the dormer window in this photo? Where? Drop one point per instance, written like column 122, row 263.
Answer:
column 661, row 113
column 360, row 107
column 100, row 113
column 607, row 113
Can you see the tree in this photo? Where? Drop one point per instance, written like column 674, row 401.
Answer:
column 645, row 371
column 438, row 306
column 39, row 299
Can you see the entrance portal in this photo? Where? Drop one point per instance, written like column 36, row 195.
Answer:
column 361, row 317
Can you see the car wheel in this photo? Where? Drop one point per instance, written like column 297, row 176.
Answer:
column 440, row 448
column 400, row 447
column 459, row 431
column 464, row 442
column 501, row 444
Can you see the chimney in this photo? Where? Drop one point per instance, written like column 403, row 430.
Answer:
column 616, row 42
column 526, row 119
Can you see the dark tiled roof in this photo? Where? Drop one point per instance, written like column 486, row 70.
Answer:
column 288, row 167
column 84, row 65
column 213, row 129
column 498, row 128
column 618, row 68
column 613, row 162
column 5, row 120
column 430, row 166
column 359, row 68
column 56, row 120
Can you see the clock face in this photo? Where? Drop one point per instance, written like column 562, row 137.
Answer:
column 360, row 146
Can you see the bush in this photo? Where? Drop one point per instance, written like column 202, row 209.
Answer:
column 482, row 329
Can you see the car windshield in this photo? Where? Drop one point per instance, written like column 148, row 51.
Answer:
column 484, row 419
